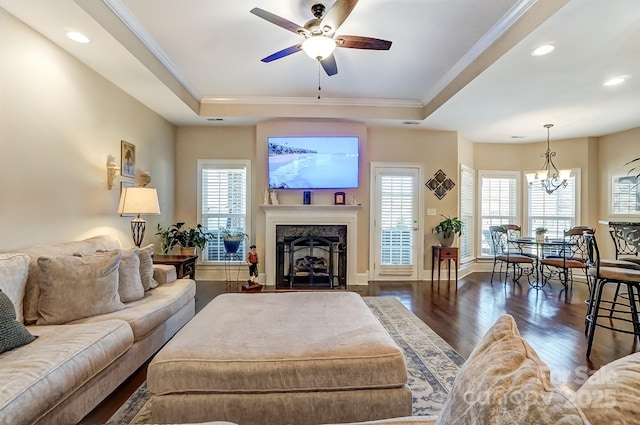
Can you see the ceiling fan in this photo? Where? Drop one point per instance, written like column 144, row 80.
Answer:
column 320, row 39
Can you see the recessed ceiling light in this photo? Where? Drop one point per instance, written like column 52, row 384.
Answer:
column 615, row 81
column 78, row 37
column 543, row 50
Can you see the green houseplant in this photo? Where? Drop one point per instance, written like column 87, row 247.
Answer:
column 540, row 232
column 448, row 229
column 188, row 238
column 232, row 238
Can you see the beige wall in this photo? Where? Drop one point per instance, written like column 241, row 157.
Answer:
column 433, row 150
column 59, row 120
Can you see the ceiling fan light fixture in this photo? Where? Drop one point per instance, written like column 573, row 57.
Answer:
column 318, row 47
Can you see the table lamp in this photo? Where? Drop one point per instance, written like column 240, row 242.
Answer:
column 138, row 200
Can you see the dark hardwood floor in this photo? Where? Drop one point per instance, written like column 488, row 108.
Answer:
column 550, row 319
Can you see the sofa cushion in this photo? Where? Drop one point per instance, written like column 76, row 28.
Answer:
column 156, row 307
column 504, row 382
column 14, row 270
column 37, row 377
column 610, row 396
column 74, row 287
column 146, row 267
column 13, row 334
column 32, row 290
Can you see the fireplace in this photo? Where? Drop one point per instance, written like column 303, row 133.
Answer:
column 337, row 243
column 311, row 256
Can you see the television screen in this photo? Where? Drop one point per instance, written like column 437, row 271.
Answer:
column 329, row 162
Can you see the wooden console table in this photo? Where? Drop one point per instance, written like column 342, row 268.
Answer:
column 185, row 264
column 442, row 253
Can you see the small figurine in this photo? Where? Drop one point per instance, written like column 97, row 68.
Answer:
column 274, row 197
column 252, row 261
column 265, row 196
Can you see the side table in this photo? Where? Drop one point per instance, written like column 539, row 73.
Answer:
column 442, row 253
column 185, row 264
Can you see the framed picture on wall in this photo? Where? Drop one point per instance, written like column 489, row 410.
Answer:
column 338, row 198
column 128, row 159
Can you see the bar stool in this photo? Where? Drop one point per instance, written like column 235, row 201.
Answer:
column 614, row 312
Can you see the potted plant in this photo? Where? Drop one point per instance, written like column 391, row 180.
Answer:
column 448, row 229
column 232, row 238
column 540, row 231
column 189, row 238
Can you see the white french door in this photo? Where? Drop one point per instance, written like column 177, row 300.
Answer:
column 396, row 223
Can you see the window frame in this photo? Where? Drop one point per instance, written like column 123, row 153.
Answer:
column 526, row 228
column 223, row 164
column 467, row 253
column 612, row 197
column 481, row 174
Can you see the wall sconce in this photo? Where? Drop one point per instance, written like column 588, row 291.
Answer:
column 112, row 170
column 145, row 178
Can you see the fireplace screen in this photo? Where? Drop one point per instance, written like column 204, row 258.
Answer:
column 306, row 260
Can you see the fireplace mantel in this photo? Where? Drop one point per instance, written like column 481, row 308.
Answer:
column 314, row 214
column 321, row 208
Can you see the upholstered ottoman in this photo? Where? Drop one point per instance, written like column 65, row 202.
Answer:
column 289, row 358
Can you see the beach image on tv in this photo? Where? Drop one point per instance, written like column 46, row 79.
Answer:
column 313, row 162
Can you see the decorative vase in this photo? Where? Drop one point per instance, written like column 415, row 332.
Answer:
column 188, row 251
column 448, row 241
column 540, row 238
column 231, row 245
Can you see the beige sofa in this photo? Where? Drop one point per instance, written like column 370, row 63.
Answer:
column 88, row 341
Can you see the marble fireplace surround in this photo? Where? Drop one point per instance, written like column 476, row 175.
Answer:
column 284, row 214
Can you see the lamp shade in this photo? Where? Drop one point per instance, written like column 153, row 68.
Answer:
column 139, row 200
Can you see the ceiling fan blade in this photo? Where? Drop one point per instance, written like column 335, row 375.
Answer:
column 281, row 22
column 336, row 15
column 358, row 42
column 282, row 53
column 329, row 65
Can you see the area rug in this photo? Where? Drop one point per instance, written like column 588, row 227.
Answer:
column 432, row 364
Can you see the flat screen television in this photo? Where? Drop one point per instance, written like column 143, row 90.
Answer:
column 318, row 162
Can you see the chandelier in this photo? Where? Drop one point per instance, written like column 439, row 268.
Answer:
column 549, row 176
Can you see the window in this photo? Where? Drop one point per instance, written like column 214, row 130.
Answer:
column 555, row 212
column 498, row 203
column 222, row 203
column 396, row 220
column 466, row 212
column 625, row 195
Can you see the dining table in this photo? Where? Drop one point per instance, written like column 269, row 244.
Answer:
column 538, row 249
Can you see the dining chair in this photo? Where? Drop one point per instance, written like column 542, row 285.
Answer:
column 610, row 313
column 570, row 255
column 503, row 255
column 514, row 232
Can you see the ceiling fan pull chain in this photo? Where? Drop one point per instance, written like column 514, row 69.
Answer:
column 319, row 88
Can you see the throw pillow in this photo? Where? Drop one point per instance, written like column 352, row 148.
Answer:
column 13, row 334
column 129, row 282
column 504, row 382
column 75, row 287
column 14, row 270
column 146, row 267
column 610, row 396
